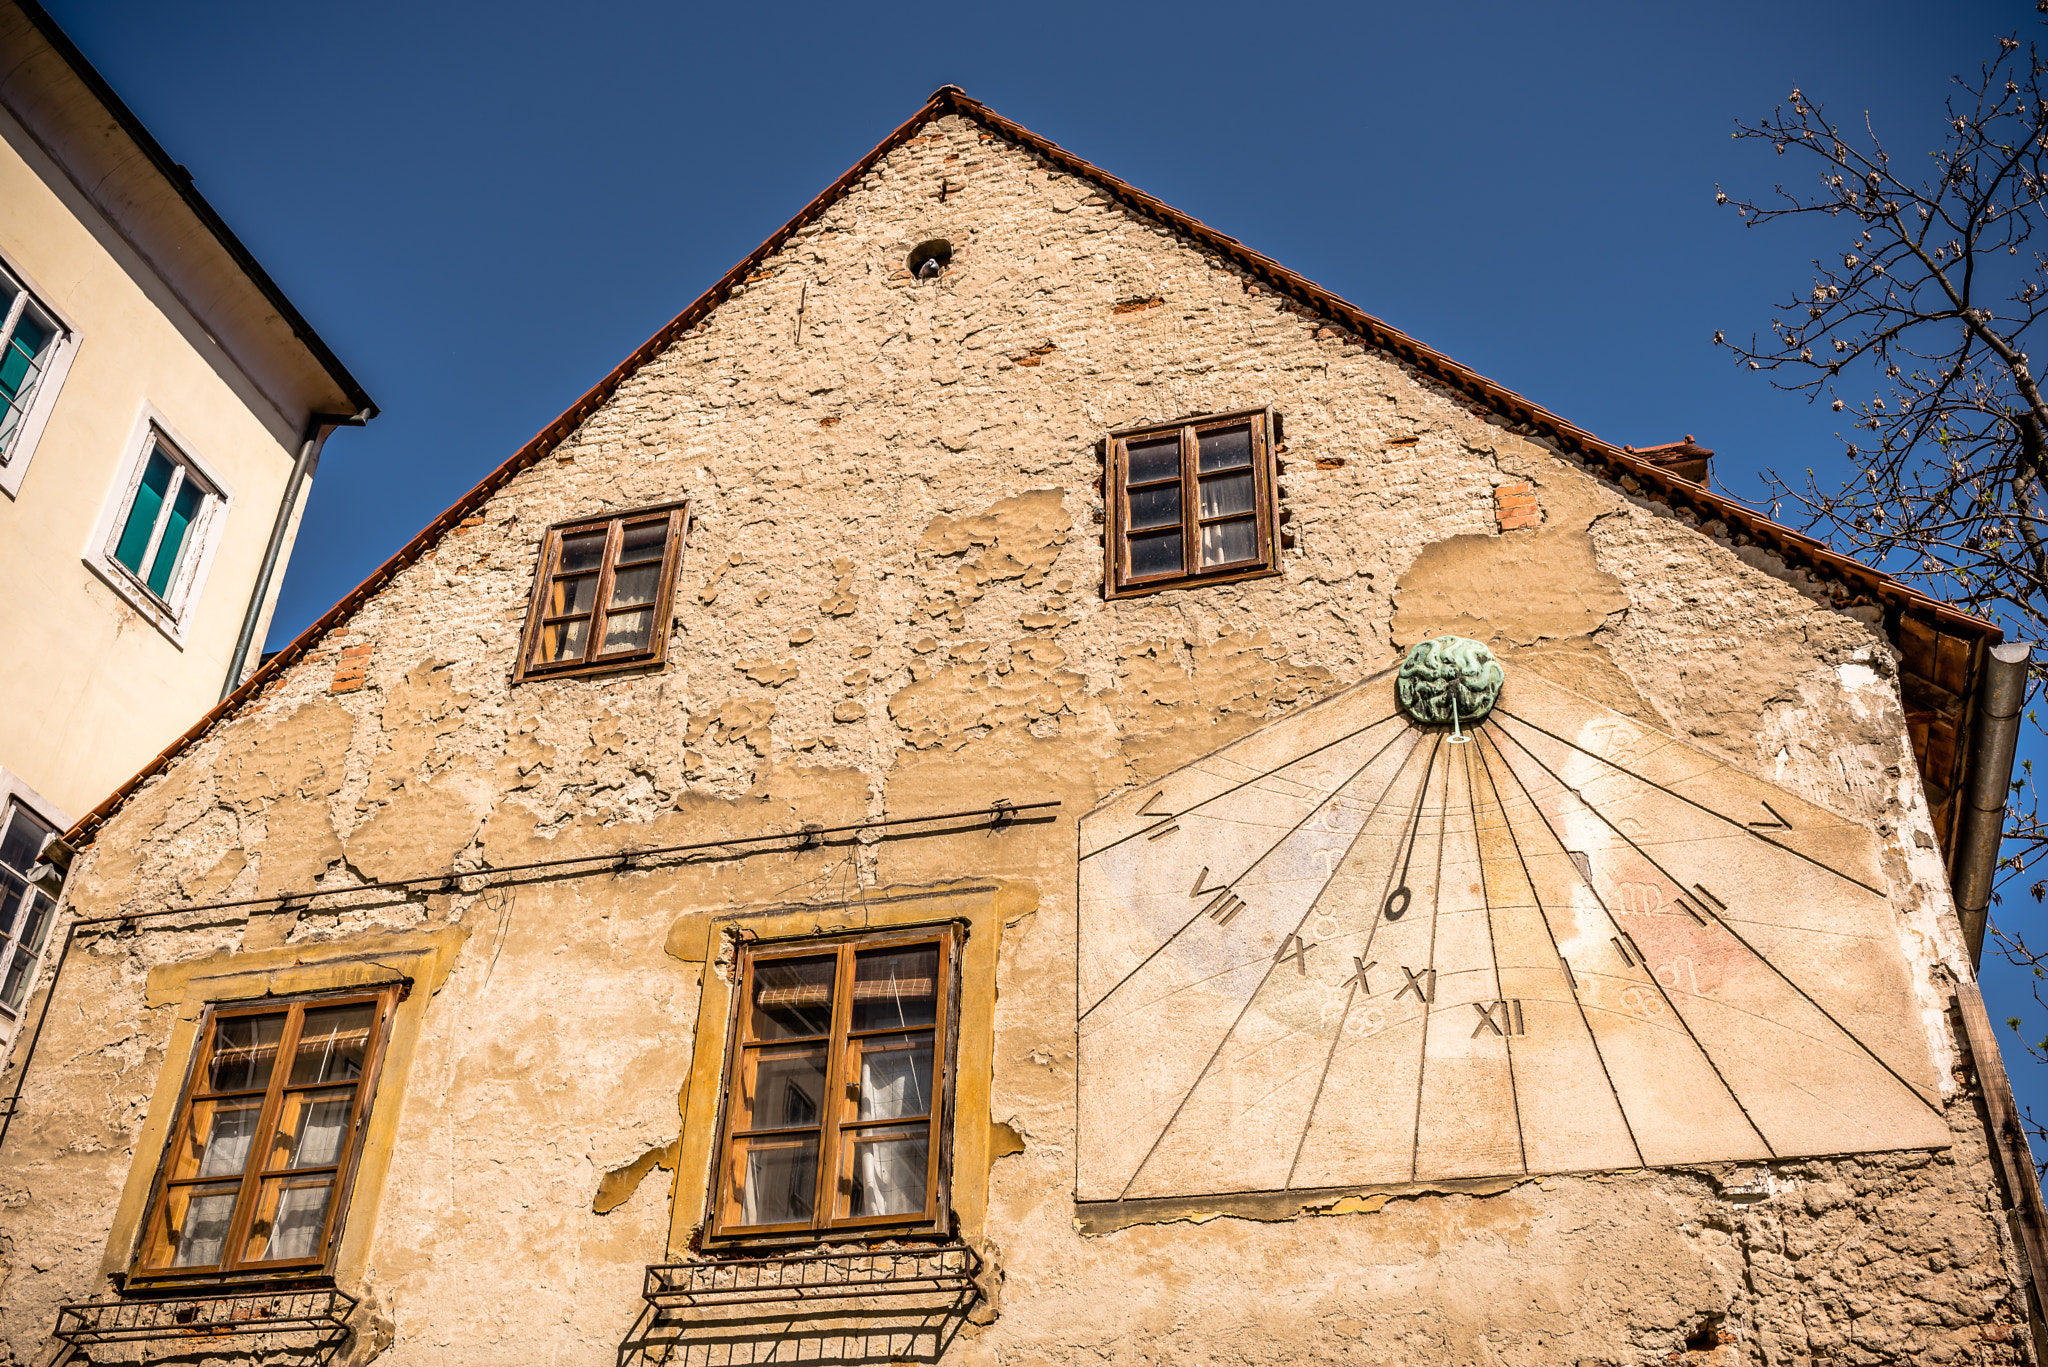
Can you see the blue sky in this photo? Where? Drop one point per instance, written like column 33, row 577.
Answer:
column 483, row 208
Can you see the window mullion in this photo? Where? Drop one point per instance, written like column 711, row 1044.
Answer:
column 729, row 1213
column 13, row 321
column 838, row 1087
column 163, row 515
column 600, row 607
column 358, row 1118
column 544, row 581
column 1265, row 480
column 1190, row 503
column 247, row 1199
column 942, row 1076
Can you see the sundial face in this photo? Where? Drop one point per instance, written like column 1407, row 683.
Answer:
column 1353, row 949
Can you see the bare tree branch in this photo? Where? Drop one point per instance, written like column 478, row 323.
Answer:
column 1931, row 304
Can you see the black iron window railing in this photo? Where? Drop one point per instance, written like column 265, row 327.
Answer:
column 321, row 1314
column 940, row 1269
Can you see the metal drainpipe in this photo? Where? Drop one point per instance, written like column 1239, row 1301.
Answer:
column 2000, row 699
column 309, row 452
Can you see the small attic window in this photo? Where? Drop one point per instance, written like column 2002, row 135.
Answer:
column 929, row 258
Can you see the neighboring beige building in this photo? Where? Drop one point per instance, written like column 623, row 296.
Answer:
column 786, row 869
column 162, row 406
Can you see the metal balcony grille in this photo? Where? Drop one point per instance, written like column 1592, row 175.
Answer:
column 946, row 1269
column 198, row 1317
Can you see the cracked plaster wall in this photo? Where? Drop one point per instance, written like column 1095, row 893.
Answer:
column 890, row 604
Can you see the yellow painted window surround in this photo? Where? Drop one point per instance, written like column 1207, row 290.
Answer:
column 266, row 1139
column 758, row 960
column 835, row 1110
column 288, row 1066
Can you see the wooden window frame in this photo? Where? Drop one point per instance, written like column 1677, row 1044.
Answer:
column 593, row 661
column 236, row 1272
column 1116, row 555
column 826, row 1226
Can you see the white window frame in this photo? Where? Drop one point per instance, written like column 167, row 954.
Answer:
column 172, row 613
column 16, row 796
column 21, row 446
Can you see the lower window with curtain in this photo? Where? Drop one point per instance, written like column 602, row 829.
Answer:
column 255, row 1176
column 837, row 1101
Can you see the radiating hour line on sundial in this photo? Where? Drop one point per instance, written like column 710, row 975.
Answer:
column 1752, row 829
column 1161, row 818
column 1334, row 796
column 1493, row 940
column 1253, row 996
column 1550, row 932
column 1436, row 902
column 1594, row 892
column 1716, row 910
column 1364, row 957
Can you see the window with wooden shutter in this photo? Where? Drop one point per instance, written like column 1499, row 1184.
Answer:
column 603, row 593
column 838, row 1088
column 1191, row 503
column 265, row 1141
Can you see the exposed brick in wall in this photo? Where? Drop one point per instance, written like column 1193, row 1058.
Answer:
column 1514, row 506
column 352, row 669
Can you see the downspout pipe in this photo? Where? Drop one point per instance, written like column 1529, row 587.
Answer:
column 2001, row 697
column 302, row 468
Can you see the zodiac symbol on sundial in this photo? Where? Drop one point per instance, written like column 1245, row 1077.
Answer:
column 1403, row 956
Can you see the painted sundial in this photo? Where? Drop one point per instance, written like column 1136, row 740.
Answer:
column 1376, row 944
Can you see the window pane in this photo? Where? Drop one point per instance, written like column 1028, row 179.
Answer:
column 895, row 987
column 16, row 986
column 777, row 1179
column 215, row 1138
column 38, row 921
column 25, row 836
column 310, row 1130
column 149, row 501
column 21, row 362
column 781, row 1087
column 628, row 630
column 184, row 509
column 571, row 595
column 564, row 640
column 1158, row 506
column 631, row 588
column 290, row 1212
column 889, row 1172
column 1224, row 450
column 1156, row 458
column 13, row 895
column 896, row 1076
column 1156, row 553
column 196, row 1220
column 584, row 551
column 1226, row 543
column 1224, row 494
column 643, row 543
column 792, row 997
column 333, row 1042
column 244, row 1051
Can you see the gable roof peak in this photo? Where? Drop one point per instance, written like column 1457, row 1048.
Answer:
column 1830, row 575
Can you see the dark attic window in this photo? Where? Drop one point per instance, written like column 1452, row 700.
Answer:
column 602, row 594
column 929, row 259
column 1191, row 503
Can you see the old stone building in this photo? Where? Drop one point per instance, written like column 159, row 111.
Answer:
column 1022, row 785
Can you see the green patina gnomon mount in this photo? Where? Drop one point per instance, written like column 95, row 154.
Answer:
column 1449, row 681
